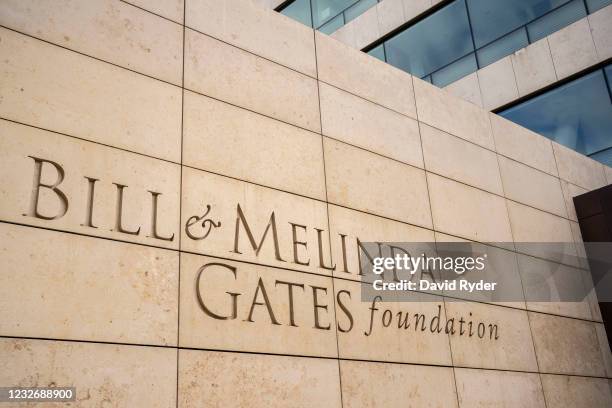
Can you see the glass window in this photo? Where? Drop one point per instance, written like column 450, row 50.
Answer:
column 594, row 5
column 454, row 71
column 492, row 19
column 608, row 71
column 562, row 17
column 577, row 114
column 433, row 42
column 358, row 9
column 299, row 10
column 324, row 10
column 604, row 157
column 378, row 52
column 502, row 47
column 332, row 25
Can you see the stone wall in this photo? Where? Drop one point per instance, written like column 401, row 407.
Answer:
column 181, row 204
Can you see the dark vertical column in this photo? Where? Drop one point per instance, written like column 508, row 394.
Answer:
column 594, row 210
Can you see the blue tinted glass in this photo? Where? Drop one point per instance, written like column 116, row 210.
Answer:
column 433, row 42
column 594, row 5
column 577, row 115
column 378, row 52
column 359, row 8
column 493, row 18
column 454, row 71
column 605, row 157
column 323, row 10
column 332, row 25
column 299, row 10
column 556, row 20
column 608, row 70
column 502, row 47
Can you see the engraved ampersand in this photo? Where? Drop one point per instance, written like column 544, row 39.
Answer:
column 206, row 225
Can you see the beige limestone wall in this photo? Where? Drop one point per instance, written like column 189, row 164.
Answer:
column 143, row 161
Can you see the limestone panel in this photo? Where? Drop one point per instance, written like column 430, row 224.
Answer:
column 504, row 389
column 440, row 109
column 234, row 219
column 500, row 267
column 65, row 280
column 58, row 182
column 228, row 305
column 251, row 27
column 111, row 30
column 533, row 67
column 467, row 88
column 224, row 72
column 569, row 192
column 579, row 169
column 349, row 227
column 580, row 392
column 605, row 347
column 601, row 23
column 367, row 384
column 346, row 35
column 534, row 226
column 458, row 210
column 566, row 346
column 490, row 337
column 249, row 380
column 523, row 145
column 382, row 187
column 364, row 124
column 608, row 172
column 172, row 9
column 365, row 28
column 459, row 160
column 413, row 8
column 103, row 374
column 532, row 187
column 572, row 48
column 228, row 140
column 565, row 287
column 56, row 89
column 405, row 332
column 390, row 15
column 363, row 75
column 497, row 84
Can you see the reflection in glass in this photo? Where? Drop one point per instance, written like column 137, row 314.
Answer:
column 556, row 20
column 502, row 47
column 594, row 5
column 299, row 10
column 358, row 8
column 605, row 156
column 492, row 19
column 454, row 71
column 324, row 10
column 378, row 52
column 577, row 114
column 433, row 42
column 332, row 25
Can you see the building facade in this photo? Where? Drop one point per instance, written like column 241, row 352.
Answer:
column 545, row 65
column 185, row 185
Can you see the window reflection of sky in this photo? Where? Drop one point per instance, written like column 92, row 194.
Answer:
column 577, row 114
column 433, row 43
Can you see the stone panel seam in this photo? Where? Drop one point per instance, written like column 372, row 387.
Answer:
column 156, row 14
column 433, row 226
column 299, row 356
column 180, row 235
column 316, row 57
